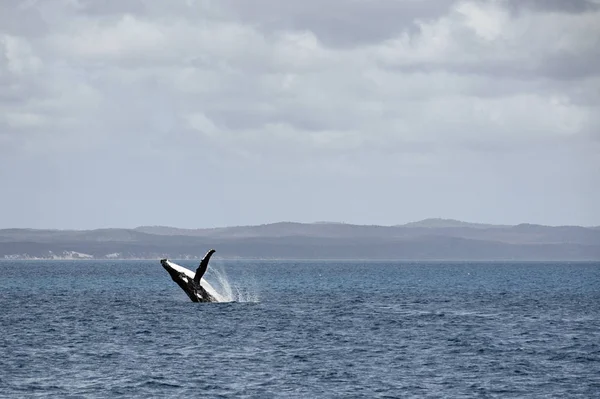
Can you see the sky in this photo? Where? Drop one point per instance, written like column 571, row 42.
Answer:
column 204, row 113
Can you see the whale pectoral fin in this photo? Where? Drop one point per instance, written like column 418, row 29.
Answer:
column 203, row 266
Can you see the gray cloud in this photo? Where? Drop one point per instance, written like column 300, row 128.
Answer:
column 263, row 111
column 573, row 6
column 107, row 7
column 22, row 19
column 339, row 22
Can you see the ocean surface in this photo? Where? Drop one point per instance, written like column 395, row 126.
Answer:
column 301, row 329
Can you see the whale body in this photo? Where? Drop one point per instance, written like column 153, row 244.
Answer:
column 196, row 288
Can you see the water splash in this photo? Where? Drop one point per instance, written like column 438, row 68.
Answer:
column 217, row 276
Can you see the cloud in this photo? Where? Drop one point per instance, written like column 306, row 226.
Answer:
column 338, row 23
column 317, row 90
column 484, row 38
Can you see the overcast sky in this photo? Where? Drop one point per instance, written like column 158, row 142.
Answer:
column 233, row 112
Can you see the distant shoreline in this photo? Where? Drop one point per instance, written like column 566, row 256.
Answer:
column 428, row 240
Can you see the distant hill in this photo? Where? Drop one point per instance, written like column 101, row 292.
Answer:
column 427, row 239
column 437, row 223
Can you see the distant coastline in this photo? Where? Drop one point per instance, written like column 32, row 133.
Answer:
column 429, row 239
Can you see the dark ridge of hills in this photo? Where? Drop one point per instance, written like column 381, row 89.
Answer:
column 522, row 233
column 449, row 240
column 281, row 227
column 449, row 223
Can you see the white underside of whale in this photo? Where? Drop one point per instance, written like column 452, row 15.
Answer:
column 205, row 284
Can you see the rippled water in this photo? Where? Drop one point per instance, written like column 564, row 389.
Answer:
column 301, row 329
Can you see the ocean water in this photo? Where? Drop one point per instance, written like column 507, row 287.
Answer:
column 301, row 329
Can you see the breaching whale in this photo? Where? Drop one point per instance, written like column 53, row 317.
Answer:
column 198, row 289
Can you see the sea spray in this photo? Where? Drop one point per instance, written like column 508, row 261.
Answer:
column 217, row 276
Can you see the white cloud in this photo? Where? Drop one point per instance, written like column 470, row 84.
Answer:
column 483, row 38
column 201, row 123
column 128, row 36
column 489, row 21
column 24, row 120
column 18, row 57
